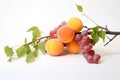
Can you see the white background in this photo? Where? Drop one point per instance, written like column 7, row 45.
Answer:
column 17, row 16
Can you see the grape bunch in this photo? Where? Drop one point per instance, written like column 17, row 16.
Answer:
column 68, row 36
column 85, row 42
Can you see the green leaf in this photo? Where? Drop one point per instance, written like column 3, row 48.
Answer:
column 10, row 59
column 95, row 38
column 42, row 46
column 35, row 35
column 31, row 57
column 34, row 28
column 21, row 51
column 95, row 30
column 8, row 51
column 102, row 34
column 95, row 35
column 35, row 32
column 79, row 7
column 27, row 48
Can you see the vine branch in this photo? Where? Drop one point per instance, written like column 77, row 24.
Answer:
column 110, row 40
column 115, row 33
column 106, row 30
column 38, row 40
column 89, row 32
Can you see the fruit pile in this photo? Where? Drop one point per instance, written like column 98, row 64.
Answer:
column 66, row 36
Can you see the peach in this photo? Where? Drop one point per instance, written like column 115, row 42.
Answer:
column 73, row 47
column 54, row 47
column 65, row 34
column 76, row 24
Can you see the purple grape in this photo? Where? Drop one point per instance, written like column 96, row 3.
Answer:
column 96, row 58
column 84, row 33
column 78, row 37
column 92, row 52
column 88, row 57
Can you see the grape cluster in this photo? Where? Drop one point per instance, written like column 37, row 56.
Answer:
column 85, row 42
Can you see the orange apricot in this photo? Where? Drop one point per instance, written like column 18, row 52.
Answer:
column 54, row 47
column 73, row 47
column 65, row 34
column 75, row 23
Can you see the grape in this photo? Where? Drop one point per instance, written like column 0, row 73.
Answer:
column 89, row 58
column 84, row 38
column 92, row 59
column 54, row 35
column 96, row 58
column 52, row 32
column 90, row 40
column 63, row 23
column 84, row 33
column 92, row 52
column 86, row 55
column 56, row 29
column 85, row 42
column 78, row 37
column 83, row 51
column 88, row 46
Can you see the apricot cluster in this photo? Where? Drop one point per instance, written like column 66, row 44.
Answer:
column 64, row 36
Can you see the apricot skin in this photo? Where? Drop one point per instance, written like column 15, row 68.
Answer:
column 76, row 24
column 54, row 47
column 73, row 47
column 65, row 34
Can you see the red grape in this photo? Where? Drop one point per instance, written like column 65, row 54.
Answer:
column 89, row 58
column 92, row 52
column 96, row 58
column 84, row 33
column 78, row 37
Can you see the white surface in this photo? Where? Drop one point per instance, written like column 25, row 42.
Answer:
column 16, row 16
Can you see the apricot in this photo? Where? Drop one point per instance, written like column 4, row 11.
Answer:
column 73, row 47
column 54, row 47
column 65, row 34
column 75, row 23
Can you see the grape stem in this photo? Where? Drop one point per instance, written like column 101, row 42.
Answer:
column 115, row 33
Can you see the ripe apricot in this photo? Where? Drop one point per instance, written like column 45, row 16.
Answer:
column 65, row 34
column 73, row 47
column 75, row 23
column 54, row 47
